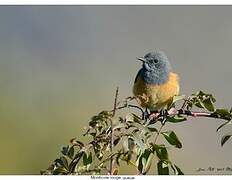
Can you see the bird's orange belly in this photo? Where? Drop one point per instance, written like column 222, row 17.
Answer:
column 155, row 97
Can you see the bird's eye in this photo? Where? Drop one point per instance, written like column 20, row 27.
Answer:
column 155, row 60
column 147, row 55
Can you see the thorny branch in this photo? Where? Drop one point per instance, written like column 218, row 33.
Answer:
column 153, row 117
column 111, row 134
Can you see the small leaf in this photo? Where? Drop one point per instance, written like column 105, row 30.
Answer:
column 87, row 159
column 161, row 152
column 148, row 163
column 59, row 170
column 59, row 162
column 133, row 118
column 224, row 139
column 64, row 162
column 116, row 141
column 224, row 124
column 65, row 150
column 98, row 151
column 171, row 137
column 71, row 152
column 140, row 164
column 152, row 128
column 222, row 113
column 208, row 104
column 162, row 168
column 202, row 100
column 76, row 142
column 176, row 119
column 142, row 161
column 137, row 119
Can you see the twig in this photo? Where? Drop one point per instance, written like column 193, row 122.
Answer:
column 193, row 114
column 185, row 103
column 130, row 106
column 158, row 133
column 198, row 114
column 111, row 134
column 75, row 161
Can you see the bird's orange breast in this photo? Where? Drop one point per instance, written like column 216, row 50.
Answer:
column 154, row 97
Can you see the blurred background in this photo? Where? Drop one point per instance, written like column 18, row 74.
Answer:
column 60, row 65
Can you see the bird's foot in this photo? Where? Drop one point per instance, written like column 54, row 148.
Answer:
column 145, row 115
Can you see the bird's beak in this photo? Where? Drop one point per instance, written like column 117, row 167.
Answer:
column 141, row 59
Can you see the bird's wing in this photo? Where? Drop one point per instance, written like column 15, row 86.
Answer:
column 138, row 74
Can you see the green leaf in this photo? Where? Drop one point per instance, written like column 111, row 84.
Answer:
column 131, row 117
column 101, row 118
column 76, row 142
column 152, row 128
column 116, row 141
column 140, row 164
column 148, row 163
column 137, row 119
column 208, row 104
column 59, row 170
column 62, row 162
column 222, row 113
column 59, row 162
column 65, row 162
column 202, row 100
column 71, row 152
column 176, row 119
column 162, row 168
column 171, row 137
column 65, row 150
column 224, row 124
column 199, row 104
column 161, row 152
column 98, row 151
column 224, row 139
column 144, row 161
column 87, row 159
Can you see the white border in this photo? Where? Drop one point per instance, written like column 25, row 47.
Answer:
column 114, row 2
column 125, row 177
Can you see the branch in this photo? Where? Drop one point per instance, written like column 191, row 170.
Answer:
column 158, row 133
column 198, row 114
column 111, row 134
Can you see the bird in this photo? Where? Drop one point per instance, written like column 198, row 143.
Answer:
column 155, row 84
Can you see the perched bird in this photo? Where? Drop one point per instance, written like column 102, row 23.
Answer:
column 155, row 84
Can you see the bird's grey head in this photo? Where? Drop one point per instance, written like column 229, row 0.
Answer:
column 156, row 68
